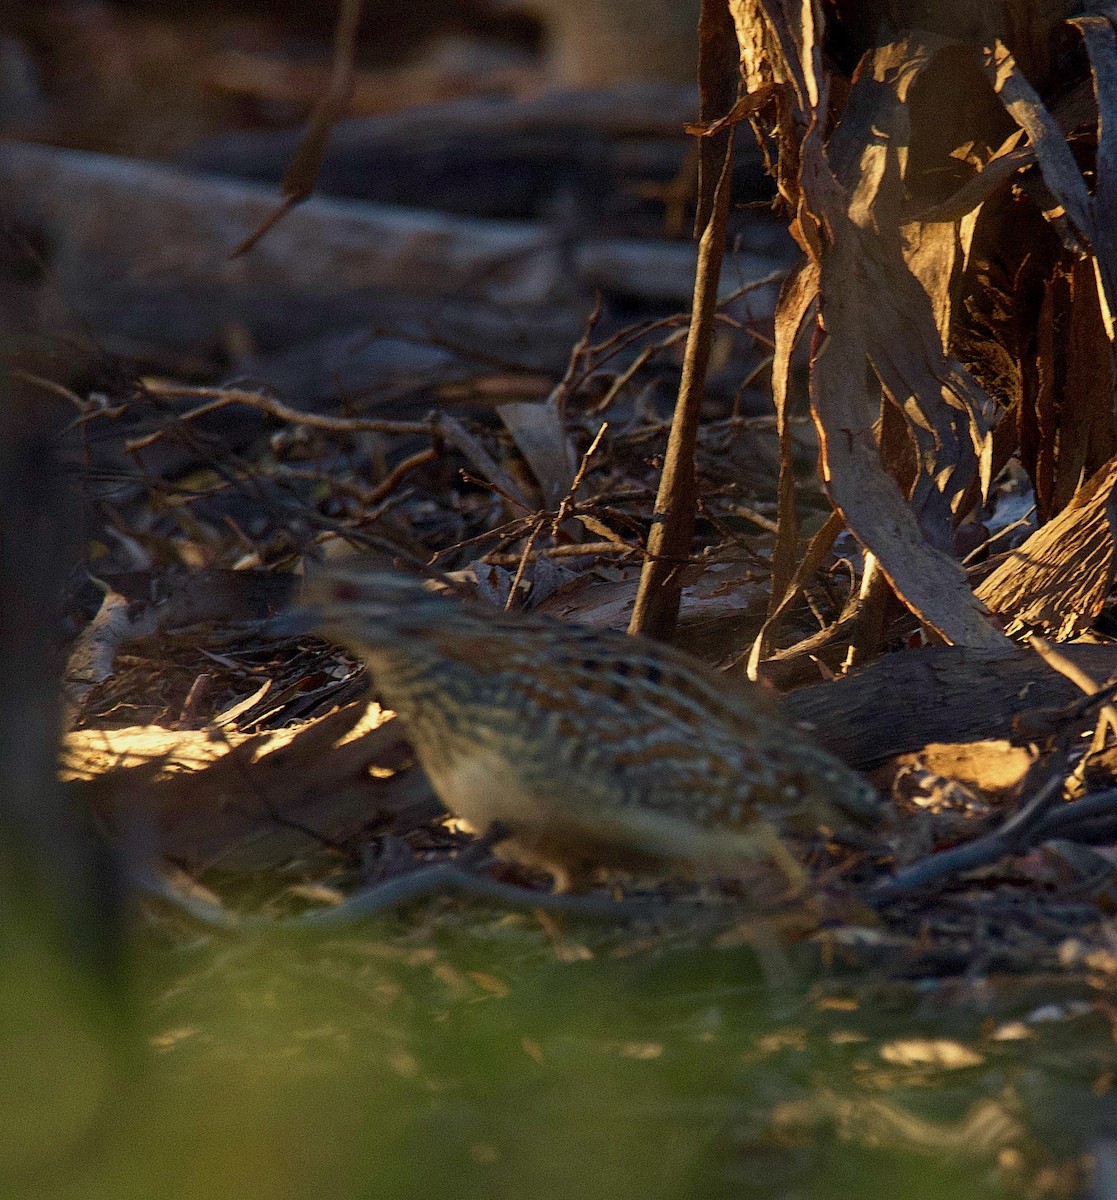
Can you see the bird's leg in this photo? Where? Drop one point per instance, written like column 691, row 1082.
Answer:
column 477, row 853
column 768, row 841
column 570, row 878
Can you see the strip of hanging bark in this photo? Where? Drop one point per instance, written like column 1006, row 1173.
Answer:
column 905, row 701
column 1091, row 217
column 302, row 170
column 875, row 606
column 928, row 580
column 1074, row 386
column 1048, row 442
column 978, row 188
column 657, row 599
column 796, row 298
column 1091, row 377
column 903, row 284
column 812, row 560
column 867, row 630
column 875, row 310
column 1056, row 161
column 1101, row 46
column 1058, row 580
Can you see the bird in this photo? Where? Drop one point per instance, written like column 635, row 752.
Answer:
column 587, row 750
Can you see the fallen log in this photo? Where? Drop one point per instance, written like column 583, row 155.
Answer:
column 905, row 701
column 592, row 153
column 142, row 257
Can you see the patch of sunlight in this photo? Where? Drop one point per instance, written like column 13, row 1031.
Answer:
column 930, row 1052
column 373, row 718
column 89, row 753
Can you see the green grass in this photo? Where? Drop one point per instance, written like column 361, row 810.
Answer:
column 462, row 1054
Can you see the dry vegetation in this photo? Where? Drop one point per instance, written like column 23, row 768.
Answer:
column 498, row 406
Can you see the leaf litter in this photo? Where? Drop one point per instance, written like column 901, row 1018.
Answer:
column 549, row 505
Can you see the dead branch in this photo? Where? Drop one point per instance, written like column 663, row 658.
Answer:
column 436, row 879
column 657, row 601
column 302, row 171
column 220, row 397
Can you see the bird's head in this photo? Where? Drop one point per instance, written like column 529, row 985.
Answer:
column 347, row 603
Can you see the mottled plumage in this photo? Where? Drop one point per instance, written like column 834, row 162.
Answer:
column 593, row 749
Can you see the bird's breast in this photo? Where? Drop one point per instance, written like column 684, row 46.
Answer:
column 479, row 785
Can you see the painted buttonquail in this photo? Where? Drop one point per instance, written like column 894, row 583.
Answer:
column 591, row 748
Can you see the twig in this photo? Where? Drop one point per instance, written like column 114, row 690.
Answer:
column 765, row 364
column 1107, row 714
column 400, row 471
column 302, row 171
column 444, row 877
column 372, row 509
column 523, row 563
column 579, row 475
column 510, row 531
column 219, row 397
column 627, row 375
column 1079, row 708
column 57, row 389
column 750, row 514
column 560, row 393
column 620, row 341
column 982, row 547
column 576, row 550
column 1090, row 820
